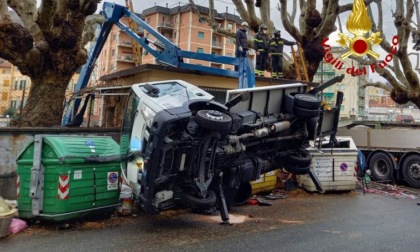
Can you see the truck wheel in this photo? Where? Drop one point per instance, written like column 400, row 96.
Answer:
column 305, row 113
column 213, row 120
column 195, row 202
column 411, row 170
column 307, row 101
column 301, row 159
column 381, row 166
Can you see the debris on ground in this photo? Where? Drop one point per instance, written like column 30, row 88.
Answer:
column 387, row 189
column 7, row 212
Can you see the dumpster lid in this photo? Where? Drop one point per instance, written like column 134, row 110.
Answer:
column 91, row 148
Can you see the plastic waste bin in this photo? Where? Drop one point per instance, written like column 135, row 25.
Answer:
column 67, row 177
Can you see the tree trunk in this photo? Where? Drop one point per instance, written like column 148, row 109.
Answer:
column 314, row 53
column 51, row 88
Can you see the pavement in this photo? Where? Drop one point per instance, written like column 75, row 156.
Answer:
column 303, row 222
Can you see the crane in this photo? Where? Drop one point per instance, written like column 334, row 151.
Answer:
column 137, row 50
column 162, row 49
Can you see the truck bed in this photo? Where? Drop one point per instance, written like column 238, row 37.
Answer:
column 394, row 139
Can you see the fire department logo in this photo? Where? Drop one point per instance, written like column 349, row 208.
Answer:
column 359, row 24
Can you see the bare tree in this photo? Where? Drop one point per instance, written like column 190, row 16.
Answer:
column 404, row 81
column 48, row 46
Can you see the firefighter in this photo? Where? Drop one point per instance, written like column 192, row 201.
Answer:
column 261, row 49
column 275, row 48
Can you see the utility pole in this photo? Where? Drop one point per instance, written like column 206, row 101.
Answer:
column 23, row 97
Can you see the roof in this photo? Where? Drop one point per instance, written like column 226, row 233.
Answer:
column 5, row 63
column 187, row 8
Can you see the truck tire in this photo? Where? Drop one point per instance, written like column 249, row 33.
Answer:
column 195, row 202
column 300, row 159
column 213, row 120
column 411, row 170
column 381, row 166
column 305, row 113
column 307, row 101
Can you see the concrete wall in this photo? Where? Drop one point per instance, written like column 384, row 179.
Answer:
column 14, row 140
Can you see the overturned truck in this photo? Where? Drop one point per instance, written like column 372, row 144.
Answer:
column 182, row 148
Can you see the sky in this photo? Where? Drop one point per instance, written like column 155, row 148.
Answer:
column 220, row 6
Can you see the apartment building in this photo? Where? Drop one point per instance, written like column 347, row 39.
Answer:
column 182, row 26
column 354, row 103
column 14, row 87
column 5, row 80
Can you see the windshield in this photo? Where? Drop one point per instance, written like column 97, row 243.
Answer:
column 172, row 94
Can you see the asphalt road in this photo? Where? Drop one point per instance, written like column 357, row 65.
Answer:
column 303, row 222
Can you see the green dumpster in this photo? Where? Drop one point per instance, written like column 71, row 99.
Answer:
column 68, row 177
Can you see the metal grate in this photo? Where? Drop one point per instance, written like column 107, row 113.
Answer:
column 218, row 93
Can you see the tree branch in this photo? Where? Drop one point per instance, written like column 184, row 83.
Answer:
column 212, row 23
column 384, row 43
column 4, row 12
column 89, row 29
column 416, row 5
column 45, row 14
column 265, row 15
column 348, row 7
column 328, row 24
column 254, row 21
column 383, row 85
column 241, row 9
column 26, row 11
column 293, row 16
column 290, row 28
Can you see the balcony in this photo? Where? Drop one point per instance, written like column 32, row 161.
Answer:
column 125, row 43
column 166, row 25
column 126, row 58
column 216, row 45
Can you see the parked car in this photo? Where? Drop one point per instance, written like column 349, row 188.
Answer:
column 405, row 118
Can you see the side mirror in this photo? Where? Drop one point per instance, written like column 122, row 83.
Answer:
column 244, row 96
column 151, row 90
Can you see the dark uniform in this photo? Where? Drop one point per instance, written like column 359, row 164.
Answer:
column 241, row 42
column 261, row 46
column 275, row 49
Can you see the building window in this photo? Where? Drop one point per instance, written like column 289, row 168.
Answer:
column 230, row 26
column 200, row 50
column 22, row 84
column 113, row 52
column 6, row 83
column 114, row 37
column 14, row 104
column 229, row 41
column 201, row 35
column 16, row 85
column 148, row 21
column 4, row 96
column 342, row 108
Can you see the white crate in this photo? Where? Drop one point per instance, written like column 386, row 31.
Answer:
column 334, row 167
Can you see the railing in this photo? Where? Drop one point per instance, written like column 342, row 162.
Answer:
column 166, row 25
column 216, row 44
column 126, row 58
column 126, row 43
